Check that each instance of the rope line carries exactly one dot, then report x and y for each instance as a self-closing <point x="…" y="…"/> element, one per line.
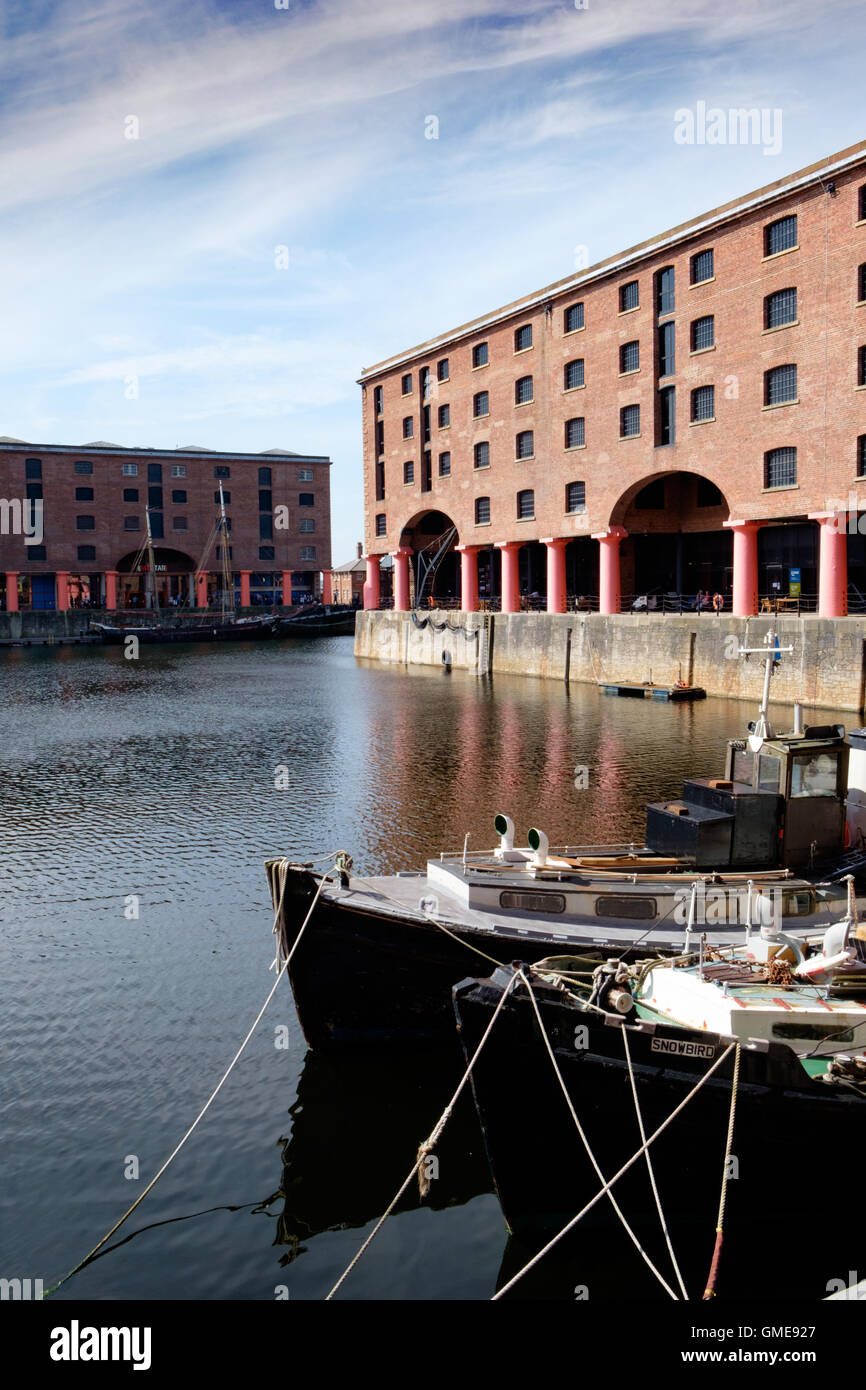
<point x="426" y="1146"/>
<point x="616" y="1177"/>
<point x="176" y="1150"/>
<point x="650" y="1169"/>
<point x="710" y="1290"/>
<point x="586" y="1144"/>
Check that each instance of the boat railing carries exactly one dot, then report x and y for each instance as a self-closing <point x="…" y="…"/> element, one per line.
<point x="572" y="851"/>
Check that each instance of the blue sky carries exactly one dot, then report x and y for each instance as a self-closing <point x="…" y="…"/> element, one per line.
<point x="148" y="265"/>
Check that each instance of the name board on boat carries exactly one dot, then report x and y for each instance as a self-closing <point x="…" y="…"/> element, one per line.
<point x="683" y="1049"/>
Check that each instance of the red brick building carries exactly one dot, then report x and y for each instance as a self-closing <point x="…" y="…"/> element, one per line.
<point x="689" y="415"/>
<point x="82" y="548"/>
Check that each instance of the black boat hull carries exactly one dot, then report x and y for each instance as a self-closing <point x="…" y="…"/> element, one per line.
<point x="362" y="977"/>
<point x="257" y="631"/>
<point x="789" y="1131"/>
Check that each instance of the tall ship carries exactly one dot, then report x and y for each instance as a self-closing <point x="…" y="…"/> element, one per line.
<point x="222" y="626"/>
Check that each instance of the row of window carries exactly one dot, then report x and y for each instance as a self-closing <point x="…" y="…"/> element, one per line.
<point x="181" y="523"/>
<point x="88" y="552"/>
<point x="778" y="236"/>
<point x="84" y="467"/>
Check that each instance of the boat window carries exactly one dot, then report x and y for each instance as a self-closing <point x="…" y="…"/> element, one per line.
<point x="814" y="775"/>
<point x="533" y="902"/>
<point x="769" y="772"/>
<point x="743" y="766"/>
<point x="812" y="1031"/>
<point x="612" y="906"/>
<point x="798" y="904"/>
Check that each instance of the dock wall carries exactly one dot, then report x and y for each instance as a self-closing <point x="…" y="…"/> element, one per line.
<point x="827" y="668"/>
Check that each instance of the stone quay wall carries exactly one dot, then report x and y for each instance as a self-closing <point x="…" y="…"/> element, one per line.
<point x="827" y="668"/>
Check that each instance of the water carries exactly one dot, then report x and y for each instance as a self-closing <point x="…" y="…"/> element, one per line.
<point x="149" y="786"/>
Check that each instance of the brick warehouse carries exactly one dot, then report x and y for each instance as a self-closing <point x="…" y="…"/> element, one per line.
<point x="688" y="415"/>
<point x="93" y="524"/>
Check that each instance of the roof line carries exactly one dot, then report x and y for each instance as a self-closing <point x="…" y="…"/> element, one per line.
<point x="20" y="445"/>
<point x="726" y="212"/>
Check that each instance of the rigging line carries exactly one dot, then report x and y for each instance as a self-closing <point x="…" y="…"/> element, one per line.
<point x="154" y="1180"/>
<point x="616" y="1177"/>
<point x="427" y="1145"/>
<point x="586" y="1144"/>
<point x="649" y="1164"/>
<point x="710" y="1290"/>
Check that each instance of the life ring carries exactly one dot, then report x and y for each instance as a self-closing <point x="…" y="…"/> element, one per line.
<point x="718" y="602"/>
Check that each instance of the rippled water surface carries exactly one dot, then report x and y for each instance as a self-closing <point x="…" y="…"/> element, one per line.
<point x="156" y="779"/>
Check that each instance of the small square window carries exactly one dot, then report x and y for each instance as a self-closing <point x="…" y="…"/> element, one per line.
<point x="178" y="495"/>
<point x="629" y="296"/>
<point x="408" y="427"/>
<point x="780" y="308"/>
<point x="704" y="403"/>
<point x="306" y="499"/>
<point x="573" y="375"/>
<point x="703" y="333"/>
<point x="479" y="355"/>
<point x="526" y="505"/>
<point x="523" y="337"/>
<point x="780" y="468"/>
<point x="482" y="454"/>
<point x="131" y="523"/>
<point x="222" y="470"/>
<point x="573" y="319"/>
<point x="525" y="445"/>
<point x="523" y="391"/>
<point x="84" y="494"/>
<point x="406" y="384"/>
<point x="85" y="523"/>
<point x="629" y="421"/>
<point x="130" y="494"/>
<point x="178" y="523"/>
<point x="36" y="552"/>
<point x="308" y="552"/>
<point x="409" y="471"/>
<point x="178" y="470"/>
<point x="444" y="416"/>
<point x="305" y="475"/>
<point x="307" y="525"/>
<point x="482" y="511"/>
<point x="443" y="370"/>
<point x="575" y="433"/>
<point x="266" y="552"/>
<point x="480" y="404"/>
<point x="381" y="525"/>
<point x="87" y="552"/>
<point x="130" y="470"/>
<point x="703" y="266"/>
<point x="575" y="497"/>
<point x="226" y="497"/>
<point x="780" y="235"/>
<point x="780" y="384"/>
<point x="83" y="466"/>
<point x="629" y="357"/>
<point x="445" y="465"/>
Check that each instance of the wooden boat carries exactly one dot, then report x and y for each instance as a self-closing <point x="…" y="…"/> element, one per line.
<point x="381" y="954"/>
<point x="224" y="626"/>
<point x="319" y="620"/>
<point x="800" y="1103"/>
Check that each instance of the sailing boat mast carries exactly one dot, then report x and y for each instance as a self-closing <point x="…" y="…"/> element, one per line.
<point x="228" y="583"/>
<point x="151" y="563"/>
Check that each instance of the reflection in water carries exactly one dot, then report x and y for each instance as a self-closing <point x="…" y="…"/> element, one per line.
<point x="356" y="1127"/>
<point x="155" y="781"/>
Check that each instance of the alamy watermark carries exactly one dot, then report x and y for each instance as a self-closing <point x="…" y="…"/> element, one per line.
<point x="22" y="516"/>
<point x="738" y="125"/>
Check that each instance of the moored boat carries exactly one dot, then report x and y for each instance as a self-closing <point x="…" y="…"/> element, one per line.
<point x="629" y="1054"/>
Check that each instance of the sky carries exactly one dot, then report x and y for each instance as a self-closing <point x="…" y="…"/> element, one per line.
<point x="214" y="216"/>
